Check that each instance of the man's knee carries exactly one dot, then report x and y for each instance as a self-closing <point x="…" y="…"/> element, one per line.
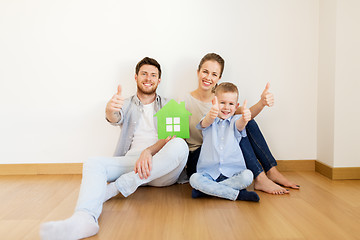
<point x="180" y="147"/>
<point x="93" y="163"/>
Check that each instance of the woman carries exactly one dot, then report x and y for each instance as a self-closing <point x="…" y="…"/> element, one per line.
<point x="266" y="176"/>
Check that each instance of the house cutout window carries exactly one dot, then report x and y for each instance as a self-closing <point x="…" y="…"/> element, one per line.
<point x="172" y="124"/>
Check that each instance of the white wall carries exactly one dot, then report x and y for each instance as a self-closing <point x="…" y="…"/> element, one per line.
<point x="326" y="82"/>
<point x="347" y="85"/>
<point x="62" y="60"/>
<point x="339" y="83"/>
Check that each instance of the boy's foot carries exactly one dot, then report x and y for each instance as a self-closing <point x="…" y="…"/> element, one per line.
<point x="263" y="183"/>
<point x="274" y="175"/>
<point x="198" y="194"/>
<point x="245" y="195"/>
<point x="79" y="225"/>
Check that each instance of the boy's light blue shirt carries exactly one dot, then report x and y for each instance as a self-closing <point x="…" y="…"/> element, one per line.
<point x="220" y="151"/>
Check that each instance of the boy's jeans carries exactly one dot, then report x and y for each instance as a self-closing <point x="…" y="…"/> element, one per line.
<point x="167" y="165"/>
<point x="228" y="188"/>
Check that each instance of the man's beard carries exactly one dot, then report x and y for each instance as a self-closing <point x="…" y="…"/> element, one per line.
<point x="148" y="91"/>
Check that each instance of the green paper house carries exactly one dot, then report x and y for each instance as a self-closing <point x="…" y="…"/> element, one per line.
<point x="173" y="119"/>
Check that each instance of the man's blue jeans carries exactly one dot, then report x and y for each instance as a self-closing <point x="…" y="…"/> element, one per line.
<point x="254" y="148"/>
<point x="168" y="163"/>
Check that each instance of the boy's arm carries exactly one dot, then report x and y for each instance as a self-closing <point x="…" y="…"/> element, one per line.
<point x="211" y="115"/>
<point x="143" y="165"/>
<point x="267" y="99"/>
<point x="245" y="118"/>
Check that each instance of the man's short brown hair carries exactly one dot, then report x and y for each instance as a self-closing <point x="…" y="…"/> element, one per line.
<point x="148" y="61"/>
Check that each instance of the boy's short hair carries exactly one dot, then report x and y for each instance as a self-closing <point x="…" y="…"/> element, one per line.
<point x="227" y="87"/>
<point x="148" y="61"/>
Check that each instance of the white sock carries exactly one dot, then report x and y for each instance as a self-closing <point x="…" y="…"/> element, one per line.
<point x="111" y="191"/>
<point x="79" y="225"/>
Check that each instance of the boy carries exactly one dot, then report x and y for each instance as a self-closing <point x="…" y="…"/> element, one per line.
<point x="221" y="169"/>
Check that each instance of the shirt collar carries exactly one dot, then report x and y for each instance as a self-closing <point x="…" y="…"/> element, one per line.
<point x="219" y="120"/>
<point x="139" y="103"/>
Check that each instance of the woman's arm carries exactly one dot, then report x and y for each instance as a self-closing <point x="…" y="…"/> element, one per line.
<point x="267" y="99"/>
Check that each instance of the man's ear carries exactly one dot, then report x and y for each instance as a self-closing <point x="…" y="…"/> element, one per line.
<point x="159" y="80"/>
<point x="136" y="77"/>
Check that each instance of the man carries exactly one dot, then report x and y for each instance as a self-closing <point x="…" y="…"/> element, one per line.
<point x="140" y="158"/>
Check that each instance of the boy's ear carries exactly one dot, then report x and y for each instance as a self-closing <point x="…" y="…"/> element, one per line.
<point x="237" y="105"/>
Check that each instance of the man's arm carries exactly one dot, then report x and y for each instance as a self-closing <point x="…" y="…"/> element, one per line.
<point x="211" y="115"/>
<point x="246" y="117"/>
<point x="113" y="107"/>
<point x="267" y="99"/>
<point x="143" y="165"/>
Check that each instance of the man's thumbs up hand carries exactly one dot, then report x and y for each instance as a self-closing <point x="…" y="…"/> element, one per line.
<point x="114" y="105"/>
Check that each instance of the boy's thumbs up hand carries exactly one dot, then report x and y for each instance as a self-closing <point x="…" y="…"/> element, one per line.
<point x="214" y="111"/>
<point x="267" y="98"/>
<point x="246" y="114"/>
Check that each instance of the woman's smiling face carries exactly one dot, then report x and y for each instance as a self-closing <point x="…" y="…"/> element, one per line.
<point x="209" y="74"/>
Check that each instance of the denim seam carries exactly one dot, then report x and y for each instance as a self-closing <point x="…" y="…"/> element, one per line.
<point x="267" y="159"/>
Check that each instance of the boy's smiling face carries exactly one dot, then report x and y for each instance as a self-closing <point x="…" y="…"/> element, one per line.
<point x="227" y="104"/>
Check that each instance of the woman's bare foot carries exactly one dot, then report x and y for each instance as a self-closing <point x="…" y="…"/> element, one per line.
<point x="263" y="183"/>
<point x="274" y="175"/>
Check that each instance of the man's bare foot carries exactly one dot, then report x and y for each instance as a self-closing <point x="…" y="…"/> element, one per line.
<point x="274" y="175"/>
<point x="263" y="183"/>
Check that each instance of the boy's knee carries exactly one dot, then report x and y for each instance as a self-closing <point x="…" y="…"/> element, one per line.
<point x="248" y="176"/>
<point x="194" y="179"/>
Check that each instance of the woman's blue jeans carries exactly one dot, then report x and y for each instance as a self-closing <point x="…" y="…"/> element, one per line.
<point x="256" y="152"/>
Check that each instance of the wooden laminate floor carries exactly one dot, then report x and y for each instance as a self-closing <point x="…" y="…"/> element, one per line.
<point x="322" y="209"/>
